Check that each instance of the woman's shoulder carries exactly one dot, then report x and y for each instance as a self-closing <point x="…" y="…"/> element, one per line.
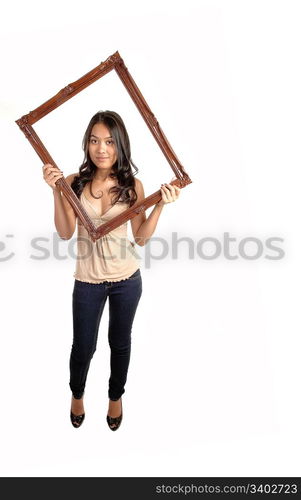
<point x="139" y="189"/>
<point x="70" y="178"/>
<point x="138" y="183"/>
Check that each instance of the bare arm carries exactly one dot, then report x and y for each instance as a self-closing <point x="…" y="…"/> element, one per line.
<point x="142" y="227"/>
<point x="64" y="215"/>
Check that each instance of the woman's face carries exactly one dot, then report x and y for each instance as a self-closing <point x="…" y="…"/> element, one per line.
<point x="102" y="149"/>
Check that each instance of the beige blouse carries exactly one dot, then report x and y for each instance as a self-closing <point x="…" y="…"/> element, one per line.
<point x="110" y="258"/>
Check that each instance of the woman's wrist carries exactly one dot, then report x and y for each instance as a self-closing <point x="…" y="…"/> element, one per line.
<point x="56" y="190"/>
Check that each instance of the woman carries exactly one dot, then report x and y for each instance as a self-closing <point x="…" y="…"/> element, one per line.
<point x="109" y="267"/>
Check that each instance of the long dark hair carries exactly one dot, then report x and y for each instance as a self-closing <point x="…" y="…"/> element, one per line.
<point x="122" y="168"/>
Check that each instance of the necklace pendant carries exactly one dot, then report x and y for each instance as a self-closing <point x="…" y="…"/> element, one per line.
<point x="95" y="197"/>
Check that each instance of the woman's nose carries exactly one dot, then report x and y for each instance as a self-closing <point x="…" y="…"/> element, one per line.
<point x="101" y="147"/>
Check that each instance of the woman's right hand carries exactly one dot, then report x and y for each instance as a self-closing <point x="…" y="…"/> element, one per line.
<point x="51" y="174"/>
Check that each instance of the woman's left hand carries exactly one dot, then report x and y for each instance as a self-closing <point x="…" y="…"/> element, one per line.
<point x="169" y="193"/>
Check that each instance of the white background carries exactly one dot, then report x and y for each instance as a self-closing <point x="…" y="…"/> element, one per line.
<point x="214" y="381"/>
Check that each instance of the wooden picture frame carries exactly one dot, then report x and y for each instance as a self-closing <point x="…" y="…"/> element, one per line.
<point x="113" y="62"/>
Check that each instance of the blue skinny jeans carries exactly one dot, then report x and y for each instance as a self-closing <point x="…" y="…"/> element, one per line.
<point x="88" y="301"/>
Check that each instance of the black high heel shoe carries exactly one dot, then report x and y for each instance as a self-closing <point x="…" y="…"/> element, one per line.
<point x="114" y="422"/>
<point x="77" y="420"/>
